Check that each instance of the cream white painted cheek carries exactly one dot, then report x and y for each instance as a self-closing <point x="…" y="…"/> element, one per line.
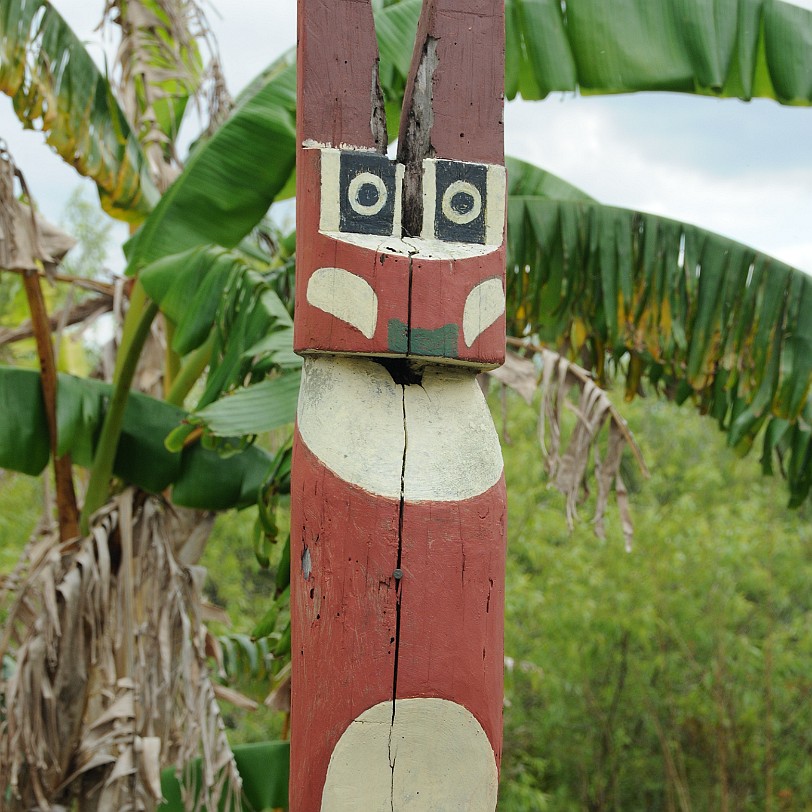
<point x="453" y="450"/>
<point x="350" y="415"/>
<point x="441" y="755"/>
<point x="346" y="296"/>
<point x="484" y="305"/>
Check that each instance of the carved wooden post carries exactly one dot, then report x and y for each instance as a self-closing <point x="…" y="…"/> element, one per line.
<point x="398" y="498"/>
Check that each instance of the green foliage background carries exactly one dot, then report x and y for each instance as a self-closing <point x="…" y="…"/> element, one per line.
<point x="674" y="677"/>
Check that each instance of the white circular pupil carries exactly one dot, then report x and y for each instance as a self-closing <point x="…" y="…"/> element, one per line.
<point x="462" y="202"/>
<point x="367" y="194"/>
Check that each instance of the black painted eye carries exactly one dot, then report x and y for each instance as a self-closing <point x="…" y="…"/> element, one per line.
<point x="366" y="194"/>
<point x="461" y="195"/>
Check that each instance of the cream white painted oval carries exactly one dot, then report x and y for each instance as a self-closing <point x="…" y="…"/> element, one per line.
<point x="453" y="450"/>
<point x="434" y="757"/>
<point x="346" y="296"/>
<point x="484" y="305"/>
<point x="351" y="416"/>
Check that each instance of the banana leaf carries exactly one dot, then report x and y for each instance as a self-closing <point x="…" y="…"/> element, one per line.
<point x="736" y="48"/>
<point x="199" y="477"/>
<point x="694" y="313"/>
<point x="56" y="88"/>
<point x="230" y="179"/>
<point x="264" y="769"/>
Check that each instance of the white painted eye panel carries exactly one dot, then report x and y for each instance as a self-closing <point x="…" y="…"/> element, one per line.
<point x="330" y="190"/>
<point x="443" y="761"/>
<point x="346" y="296"/>
<point x="495" y="206"/>
<point x="351" y="417"/>
<point x="484" y="305"/>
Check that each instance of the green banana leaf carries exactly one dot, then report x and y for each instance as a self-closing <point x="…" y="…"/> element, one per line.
<point x="697" y="314"/>
<point x="56" y="88"/>
<point x="199" y="477"/>
<point x="254" y="409"/>
<point x="230" y="179"/>
<point x="191" y="287"/>
<point x="737" y="48"/>
<point x="264" y="769"/>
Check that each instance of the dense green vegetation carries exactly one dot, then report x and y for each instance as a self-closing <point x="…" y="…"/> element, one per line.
<point x="677" y="676"/>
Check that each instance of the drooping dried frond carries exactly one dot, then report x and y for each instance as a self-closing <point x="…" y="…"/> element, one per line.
<point x="161" y="69"/>
<point x="672" y="308"/>
<point x="568" y="468"/>
<point x="56" y="88"/>
<point x="110" y="683"/>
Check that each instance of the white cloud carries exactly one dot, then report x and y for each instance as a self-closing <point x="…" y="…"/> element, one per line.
<point x="755" y="190"/>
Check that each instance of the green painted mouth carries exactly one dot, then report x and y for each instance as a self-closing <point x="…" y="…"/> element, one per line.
<point x="440" y="343"/>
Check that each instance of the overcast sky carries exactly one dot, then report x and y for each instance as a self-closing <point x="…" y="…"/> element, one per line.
<point x="744" y="170"/>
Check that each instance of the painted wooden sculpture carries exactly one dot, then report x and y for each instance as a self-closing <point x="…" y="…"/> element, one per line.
<point x="398" y="498"/>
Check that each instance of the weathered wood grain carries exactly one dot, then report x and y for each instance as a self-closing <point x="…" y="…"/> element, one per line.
<point x="397" y="497"/>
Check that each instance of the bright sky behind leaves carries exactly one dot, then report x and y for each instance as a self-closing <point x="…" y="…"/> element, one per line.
<point x="744" y="170"/>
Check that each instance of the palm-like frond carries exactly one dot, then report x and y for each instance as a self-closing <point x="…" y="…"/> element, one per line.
<point x="738" y="48"/>
<point x="696" y="314"/>
<point x="57" y="88"/>
<point x="230" y="179"/>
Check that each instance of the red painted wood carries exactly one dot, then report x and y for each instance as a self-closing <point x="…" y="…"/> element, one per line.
<point x="438" y="288"/>
<point x="453" y="605"/>
<point x="343" y="615"/>
<point x="350" y="652"/>
<point x="468" y="91"/>
<point x="337" y="60"/>
<point x="314" y="329"/>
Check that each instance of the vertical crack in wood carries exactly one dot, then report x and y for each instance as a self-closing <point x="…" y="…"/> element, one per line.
<point x="378" y="118"/>
<point x="398" y="590"/>
<point x="415" y="141"/>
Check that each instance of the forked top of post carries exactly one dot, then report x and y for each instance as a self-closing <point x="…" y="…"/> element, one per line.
<point x="339" y="96"/>
<point x="453" y="106"/>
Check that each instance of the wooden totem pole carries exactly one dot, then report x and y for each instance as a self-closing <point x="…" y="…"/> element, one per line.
<point x="398" y="496"/>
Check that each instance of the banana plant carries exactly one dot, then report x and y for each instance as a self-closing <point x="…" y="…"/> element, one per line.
<point x="688" y="314"/>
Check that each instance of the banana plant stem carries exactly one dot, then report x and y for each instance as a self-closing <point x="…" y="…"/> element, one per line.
<point x="132" y="343"/>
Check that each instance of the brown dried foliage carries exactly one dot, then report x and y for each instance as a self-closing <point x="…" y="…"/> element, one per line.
<point x="567" y="463"/>
<point x="111" y="683"/>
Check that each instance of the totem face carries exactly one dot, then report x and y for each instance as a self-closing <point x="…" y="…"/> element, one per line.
<point x="437" y="295"/>
<point x="397" y="489"/>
